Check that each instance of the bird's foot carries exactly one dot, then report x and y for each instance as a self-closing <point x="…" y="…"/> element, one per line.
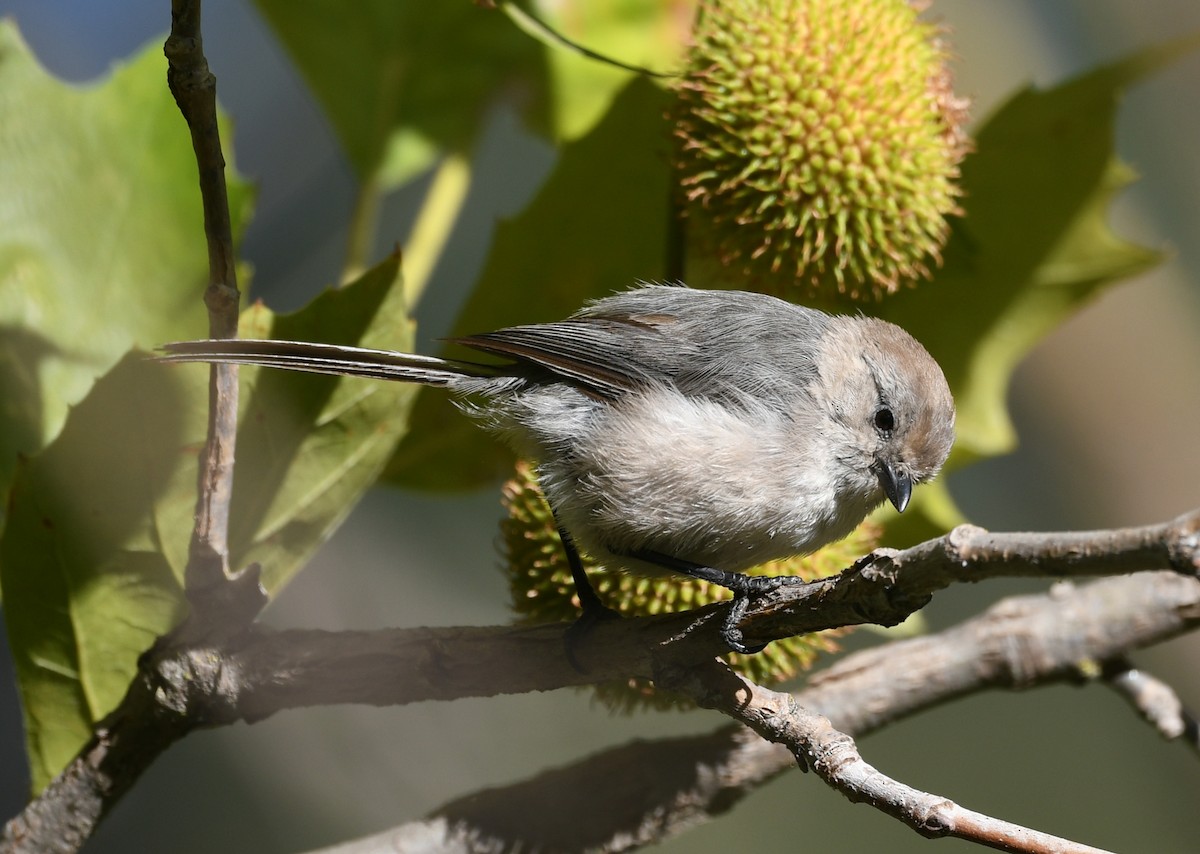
<point x="731" y="633"/>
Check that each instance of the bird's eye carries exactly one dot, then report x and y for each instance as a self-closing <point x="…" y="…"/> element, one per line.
<point x="885" y="421"/>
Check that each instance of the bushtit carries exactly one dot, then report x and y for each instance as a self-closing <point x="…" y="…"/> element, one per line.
<point x="697" y="431"/>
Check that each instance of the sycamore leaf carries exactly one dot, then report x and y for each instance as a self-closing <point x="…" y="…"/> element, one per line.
<point x="310" y="446"/>
<point x="1034" y="248"/>
<point x="426" y="71"/>
<point x="101" y="237"/>
<point x="401" y="80"/>
<point x="86" y="586"/>
<point x="597" y="224"/>
<point x="92" y="560"/>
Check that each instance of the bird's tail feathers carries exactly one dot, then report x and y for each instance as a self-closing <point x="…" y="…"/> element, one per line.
<point x="325" y="359"/>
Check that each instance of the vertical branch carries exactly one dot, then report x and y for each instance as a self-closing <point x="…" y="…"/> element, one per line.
<point x="152" y="716"/>
<point x="208" y="576"/>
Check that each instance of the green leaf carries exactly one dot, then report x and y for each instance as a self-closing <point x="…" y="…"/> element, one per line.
<point x="86" y="585"/>
<point x="92" y="560"/>
<point x="428" y="71"/>
<point x="1033" y="249"/>
<point x="598" y="224"/>
<point x="402" y="80"/>
<point x="310" y="446"/>
<point x="101" y="237"/>
<point x="1034" y="246"/>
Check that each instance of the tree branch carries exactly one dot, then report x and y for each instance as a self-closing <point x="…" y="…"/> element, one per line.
<point x="1154" y="700"/>
<point x="886" y="587"/>
<point x="689" y="781"/>
<point x="217" y="595"/>
<point x="185" y="683"/>
<point x="816" y="744"/>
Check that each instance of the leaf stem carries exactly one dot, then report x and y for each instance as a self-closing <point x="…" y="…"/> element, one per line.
<point x="363" y="220"/>
<point x="551" y="37"/>
<point x="443" y="202"/>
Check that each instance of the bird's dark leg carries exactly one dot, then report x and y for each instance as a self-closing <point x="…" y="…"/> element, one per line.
<point x="589" y="601"/>
<point x="593" y="610"/>
<point x="741" y="584"/>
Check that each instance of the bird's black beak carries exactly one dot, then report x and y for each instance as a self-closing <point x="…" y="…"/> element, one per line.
<point x="897" y="486"/>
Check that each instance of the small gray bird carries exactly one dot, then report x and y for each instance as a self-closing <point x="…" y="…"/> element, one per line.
<point x="697" y="431"/>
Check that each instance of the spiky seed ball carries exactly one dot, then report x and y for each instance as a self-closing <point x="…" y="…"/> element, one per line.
<point x="542" y="591"/>
<point x="820" y="142"/>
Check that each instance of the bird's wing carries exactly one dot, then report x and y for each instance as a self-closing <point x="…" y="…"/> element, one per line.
<point x="602" y="356"/>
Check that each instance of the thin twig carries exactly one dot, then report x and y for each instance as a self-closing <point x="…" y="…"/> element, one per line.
<point x="215" y="593"/>
<point x="1156" y="701"/>
<point x="832" y="754"/>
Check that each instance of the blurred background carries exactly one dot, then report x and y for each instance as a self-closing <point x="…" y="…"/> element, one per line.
<point x="1106" y="409"/>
